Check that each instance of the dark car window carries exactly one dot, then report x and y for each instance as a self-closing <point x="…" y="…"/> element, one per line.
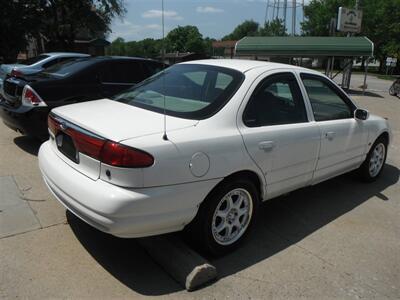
<point x="128" y="71"/>
<point x="326" y="100"/>
<point x="56" y="61"/>
<point x="191" y="91"/>
<point x="154" y="67"/>
<point x="33" y="60"/>
<point x="276" y="100"/>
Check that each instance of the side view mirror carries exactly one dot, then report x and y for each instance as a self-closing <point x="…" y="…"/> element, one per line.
<point x="361" y="114"/>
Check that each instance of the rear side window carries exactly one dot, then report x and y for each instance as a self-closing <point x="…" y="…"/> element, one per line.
<point x="327" y="102"/>
<point x="128" y="72"/>
<point x="277" y="100"/>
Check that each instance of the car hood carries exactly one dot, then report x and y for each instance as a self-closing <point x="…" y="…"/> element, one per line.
<point x="118" y="121"/>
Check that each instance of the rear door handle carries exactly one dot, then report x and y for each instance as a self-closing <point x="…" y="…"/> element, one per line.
<point x="266" y="146"/>
<point x="330" y="135"/>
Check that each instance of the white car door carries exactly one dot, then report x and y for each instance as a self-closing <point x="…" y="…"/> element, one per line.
<point x="343" y="138"/>
<point x="278" y="134"/>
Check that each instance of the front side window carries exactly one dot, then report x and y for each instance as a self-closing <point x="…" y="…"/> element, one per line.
<point x="188" y="91"/>
<point x="326" y="101"/>
<point x="277" y="100"/>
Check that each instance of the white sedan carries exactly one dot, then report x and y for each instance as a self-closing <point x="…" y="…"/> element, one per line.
<point x="201" y="144"/>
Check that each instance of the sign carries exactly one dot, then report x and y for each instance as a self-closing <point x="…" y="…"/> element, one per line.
<point x="349" y="20"/>
<point x="391" y="61"/>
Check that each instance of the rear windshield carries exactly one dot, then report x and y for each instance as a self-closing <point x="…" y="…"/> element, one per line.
<point x="67" y="67"/>
<point x="34" y="60"/>
<point x="188" y="91"/>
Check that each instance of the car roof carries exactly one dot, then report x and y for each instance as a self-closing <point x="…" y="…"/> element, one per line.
<point x="65" y="54"/>
<point x="124" y="58"/>
<point x="242" y="65"/>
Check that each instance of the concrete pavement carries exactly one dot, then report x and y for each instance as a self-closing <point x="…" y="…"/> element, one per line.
<point x="338" y="239"/>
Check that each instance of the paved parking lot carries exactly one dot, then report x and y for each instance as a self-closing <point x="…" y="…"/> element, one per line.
<point x="337" y="239"/>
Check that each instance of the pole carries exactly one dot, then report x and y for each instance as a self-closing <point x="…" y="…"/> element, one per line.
<point x="293" y="17"/>
<point x="277" y="9"/>
<point x="162" y="24"/>
<point x="365" y="76"/>
<point x="266" y="13"/>
<point x="273" y="10"/>
<point x="284" y="12"/>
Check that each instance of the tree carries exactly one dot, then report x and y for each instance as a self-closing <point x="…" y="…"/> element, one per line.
<point x="381" y="23"/>
<point x="19" y="20"/>
<point x="65" y="20"/>
<point x="275" y="27"/>
<point x="59" y="21"/>
<point x="117" y="47"/>
<point x="319" y="13"/>
<point x="247" y="28"/>
<point x="185" y="39"/>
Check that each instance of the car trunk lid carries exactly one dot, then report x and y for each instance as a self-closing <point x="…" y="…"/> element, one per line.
<point x="118" y="121"/>
<point x="105" y="120"/>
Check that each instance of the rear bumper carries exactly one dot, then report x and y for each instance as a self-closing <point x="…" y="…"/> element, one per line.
<point x="29" y="121"/>
<point x="121" y="211"/>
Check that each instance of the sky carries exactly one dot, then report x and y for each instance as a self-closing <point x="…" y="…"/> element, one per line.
<point x="213" y="18"/>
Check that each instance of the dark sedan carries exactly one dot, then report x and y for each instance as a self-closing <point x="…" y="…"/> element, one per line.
<point x="28" y="100"/>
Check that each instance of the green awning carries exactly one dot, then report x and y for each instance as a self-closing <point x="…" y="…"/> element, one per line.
<point x="304" y="46"/>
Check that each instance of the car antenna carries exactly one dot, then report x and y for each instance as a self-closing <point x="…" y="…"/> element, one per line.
<point x="165" y="137"/>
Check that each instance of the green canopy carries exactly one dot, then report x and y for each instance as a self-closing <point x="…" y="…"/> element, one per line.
<point x="304" y="46"/>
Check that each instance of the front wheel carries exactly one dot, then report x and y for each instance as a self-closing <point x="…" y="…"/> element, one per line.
<point x="375" y="161"/>
<point x="225" y="217"/>
<point x="392" y="91"/>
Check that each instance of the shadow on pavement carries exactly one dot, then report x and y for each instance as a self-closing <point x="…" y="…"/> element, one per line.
<point x="282" y="222"/>
<point x="287" y="220"/>
<point x="124" y="259"/>
<point x="366" y="93"/>
<point x="28" y="144"/>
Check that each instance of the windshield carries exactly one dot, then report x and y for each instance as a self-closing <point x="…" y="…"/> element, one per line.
<point x="188" y="91"/>
<point x="34" y="60"/>
<point x="67" y="67"/>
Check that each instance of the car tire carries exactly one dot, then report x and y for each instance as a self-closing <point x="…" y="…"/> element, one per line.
<point x="392" y="91"/>
<point x="225" y="217"/>
<point x="374" y="163"/>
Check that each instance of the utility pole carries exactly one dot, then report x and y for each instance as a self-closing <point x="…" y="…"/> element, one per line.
<point x="347" y="72"/>
<point x="284" y="12"/>
<point x="293" y="17"/>
<point x="277" y="9"/>
<point x="266" y="13"/>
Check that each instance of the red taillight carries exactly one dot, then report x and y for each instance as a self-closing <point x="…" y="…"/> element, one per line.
<point x="16" y="73"/>
<point x="118" y="155"/>
<point x="30" y="97"/>
<point x="108" y="152"/>
<point x="86" y="144"/>
<point x="52" y="124"/>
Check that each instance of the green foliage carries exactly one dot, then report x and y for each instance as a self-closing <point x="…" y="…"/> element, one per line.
<point x="275" y="27"/>
<point x="381" y="22"/>
<point x="59" y="21"/>
<point x="18" y="20"/>
<point x="247" y="28"/>
<point x="319" y="14"/>
<point x="185" y="39"/>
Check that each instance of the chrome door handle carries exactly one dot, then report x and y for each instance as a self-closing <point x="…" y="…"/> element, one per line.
<point x="330" y="135"/>
<point x="266" y="146"/>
